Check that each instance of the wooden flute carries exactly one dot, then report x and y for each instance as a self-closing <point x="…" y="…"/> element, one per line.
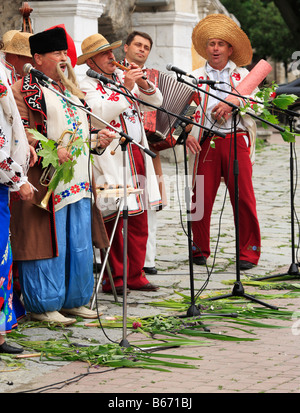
<point x="125" y="68"/>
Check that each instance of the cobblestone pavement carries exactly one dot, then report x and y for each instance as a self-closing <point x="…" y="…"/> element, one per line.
<point x="270" y="364"/>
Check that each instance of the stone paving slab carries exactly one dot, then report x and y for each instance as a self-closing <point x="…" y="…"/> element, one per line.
<point x="268" y="365"/>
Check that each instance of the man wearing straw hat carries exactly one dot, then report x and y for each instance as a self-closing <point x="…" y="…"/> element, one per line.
<point x="226" y="48"/>
<point x="125" y="115"/>
<point x="17" y="53"/>
<point x="9" y="69"/>
<point x="53" y="247"/>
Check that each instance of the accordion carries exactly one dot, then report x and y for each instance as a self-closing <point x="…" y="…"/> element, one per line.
<point x="163" y="129"/>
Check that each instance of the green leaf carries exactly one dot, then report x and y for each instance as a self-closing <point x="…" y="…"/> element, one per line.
<point x="68" y="170"/>
<point x="49" y="154"/>
<point x="64" y="172"/>
<point x="288" y="136"/>
<point x="284" y="101"/>
<point x="37" y="135"/>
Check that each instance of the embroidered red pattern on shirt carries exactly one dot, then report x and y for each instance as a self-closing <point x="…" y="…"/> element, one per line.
<point x="200" y="78"/>
<point x="5" y="165"/>
<point x="100" y="88"/>
<point x="2" y="141"/>
<point x="114" y="124"/>
<point x="197" y="116"/>
<point x="114" y="97"/>
<point x="237" y="76"/>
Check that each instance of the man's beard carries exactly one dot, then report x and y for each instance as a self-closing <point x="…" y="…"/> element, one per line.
<point x="69" y="82"/>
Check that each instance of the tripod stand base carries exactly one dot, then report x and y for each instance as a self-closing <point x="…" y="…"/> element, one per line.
<point x="124" y="343"/>
<point x="193" y="311"/>
<point x="238" y="291"/>
<point x="293" y="271"/>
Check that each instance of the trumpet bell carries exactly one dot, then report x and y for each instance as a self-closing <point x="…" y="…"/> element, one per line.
<point x="50" y="170"/>
<point x="44" y="202"/>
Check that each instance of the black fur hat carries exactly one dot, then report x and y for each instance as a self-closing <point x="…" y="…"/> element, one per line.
<point x="48" y="41"/>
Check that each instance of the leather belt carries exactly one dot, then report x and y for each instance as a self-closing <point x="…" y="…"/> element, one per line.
<point x="211" y="135"/>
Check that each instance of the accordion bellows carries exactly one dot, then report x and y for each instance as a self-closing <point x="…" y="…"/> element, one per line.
<point x="177" y="97"/>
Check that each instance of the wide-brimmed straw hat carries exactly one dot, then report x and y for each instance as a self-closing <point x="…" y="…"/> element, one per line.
<point x="94" y="44"/>
<point x="6" y="38"/>
<point x="220" y="26"/>
<point x="19" y="44"/>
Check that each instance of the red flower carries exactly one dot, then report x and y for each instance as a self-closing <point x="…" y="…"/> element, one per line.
<point x="57" y="199"/>
<point x="3" y="90"/>
<point x="75" y="189"/>
<point x="136" y="325"/>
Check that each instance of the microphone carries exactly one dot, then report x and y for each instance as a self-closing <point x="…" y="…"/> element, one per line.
<point x="207" y="82"/>
<point x="95" y="75"/>
<point x="179" y="71"/>
<point x="28" y="68"/>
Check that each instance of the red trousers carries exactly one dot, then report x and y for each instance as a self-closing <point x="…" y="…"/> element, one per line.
<point x="215" y="163"/>
<point x="137" y="235"/>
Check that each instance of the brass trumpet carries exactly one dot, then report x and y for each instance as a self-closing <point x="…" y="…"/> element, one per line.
<point x="49" y="172"/>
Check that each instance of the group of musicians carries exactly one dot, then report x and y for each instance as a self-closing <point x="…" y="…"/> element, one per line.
<point x="53" y="250"/>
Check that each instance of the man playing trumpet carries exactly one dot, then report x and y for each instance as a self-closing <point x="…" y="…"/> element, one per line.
<point x="54" y="248"/>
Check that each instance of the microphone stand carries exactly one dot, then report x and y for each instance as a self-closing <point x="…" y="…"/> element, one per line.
<point x="193" y="311"/>
<point x="293" y="269"/>
<point x="238" y="289"/>
<point x="179" y="117"/>
<point x="124" y="342"/>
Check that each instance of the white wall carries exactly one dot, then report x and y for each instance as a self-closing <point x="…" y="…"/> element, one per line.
<point x="80" y="18"/>
<point x="171" y="32"/>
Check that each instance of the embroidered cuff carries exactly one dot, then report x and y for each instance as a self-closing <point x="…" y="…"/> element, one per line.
<point x="150" y="91"/>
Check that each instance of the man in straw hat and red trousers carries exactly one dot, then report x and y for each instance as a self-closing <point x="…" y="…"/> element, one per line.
<point x="226" y="48"/>
<point x="124" y="114"/>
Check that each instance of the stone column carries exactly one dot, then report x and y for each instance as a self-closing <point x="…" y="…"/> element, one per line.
<point x="171" y="33"/>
